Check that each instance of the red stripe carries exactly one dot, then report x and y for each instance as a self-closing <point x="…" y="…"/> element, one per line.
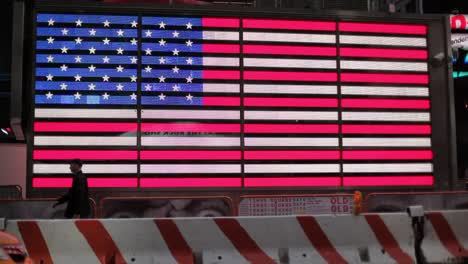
<point x="319" y="239"/>
<point x="290" y="76"/>
<point x="175" y="241"/>
<point x="386" y="239"/>
<point x="386" y="103"/>
<point x="385" y="78"/>
<point x="446" y="235"/>
<point x="83" y="127"/>
<point x="189" y="182"/>
<point x="221" y="101"/>
<point x="314" y="181"/>
<point x="292" y="155"/>
<point x="286" y="128"/>
<point x="190" y="127"/>
<point x="190" y="155"/>
<point x="100" y="241"/>
<point x="221" y="48"/>
<point x="290" y="102"/>
<point x="85" y="154"/>
<point x="387" y="129"/>
<point x="289" y="24"/>
<point x="288" y="50"/>
<point x="44" y="182"/>
<point x="34" y="242"/>
<point x="220" y="22"/>
<point x="387" y="154"/>
<point x="383" y="28"/>
<point x="221" y="75"/>
<point x="405" y="54"/>
<point x="242" y="241"/>
<point x="402" y="180"/>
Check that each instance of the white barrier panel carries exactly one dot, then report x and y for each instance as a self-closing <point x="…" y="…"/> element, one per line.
<point x="372" y="238"/>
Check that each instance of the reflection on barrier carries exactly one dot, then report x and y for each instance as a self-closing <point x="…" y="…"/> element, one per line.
<point x="187" y="206"/>
<point x="36" y="209"/>
<point x="11" y="192"/>
<point x="399" y="201"/>
<point x="265" y="205"/>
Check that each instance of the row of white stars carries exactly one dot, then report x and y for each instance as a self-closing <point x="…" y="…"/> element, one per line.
<point x="92" y="32"/>
<point x="78" y="59"/>
<point x="175" y="88"/>
<point x="78" y="41"/>
<point x="92" y="50"/>
<point x="106" y="96"/>
<point x="92" y="68"/>
<point x="92" y="86"/>
<point x="79" y="23"/>
<point x="78" y="77"/>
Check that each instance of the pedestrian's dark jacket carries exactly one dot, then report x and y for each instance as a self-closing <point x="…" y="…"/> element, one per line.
<point x="77" y="197"/>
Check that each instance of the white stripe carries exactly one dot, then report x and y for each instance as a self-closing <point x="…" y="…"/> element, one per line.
<point x="220" y="61"/>
<point x="87" y="168"/>
<point x="190" y="114"/>
<point x="289" y="89"/>
<point x="387" y="142"/>
<point x="388" y="167"/>
<point x="386" y="116"/>
<point x="290" y="142"/>
<point x="290" y="115"/>
<point x="84" y="113"/>
<point x="289" y="37"/>
<point x="390" y="41"/>
<point x="84" y="141"/>
<point x="221" y="88"/>
<point x="387" y="90"/>
<point x="292" y="168"/>
<point x="220" y="35"/>
<point x="190" y="168"/>
<point x="384" y="65"/>
<point x="190" y="141"/>
<point x="289" y="63"/>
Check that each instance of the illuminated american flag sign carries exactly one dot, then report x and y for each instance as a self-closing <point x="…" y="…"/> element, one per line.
<point x="166" y="101"/>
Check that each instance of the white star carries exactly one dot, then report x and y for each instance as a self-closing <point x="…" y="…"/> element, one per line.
<point x="175" y="69"/>
<point x="189" y="61"/>
<point x="162" y="79"/>
<point x="189" y="97"/>
<point x="134" y="42"/>
<point x="148" y="69"/>
<point x="189" y="25"/>
<point x="176" y="88"/>
<point x="77" y="78"/>
<point x="148" y="33"/>
<point x="133" y="78"/>
<point x="51" y="22"/>
<point x="120" y="68"/>
<point x="189" y="43"/>
<point x="49" y="95"/>
<point x="105" y="96"/>
<point x="91" y="86"/>
<point x="105" y="78"/>
<point x="92" y="32"/>
<point x="148" y="51"/>
<point x="64" y="67"/>
<point x="78" y="59"/>
<point x="162" y="25"/>
<point x="50" y="40"/>
<point x="92" y="68"/>
<point x="106" y="23"/>
<point x="64" y="31"/>
<point x="120" y="33"/>
<point x="49" y="77"/>
<point x="133" y="96"/>
<point x="92" y="50"/>
<point x="64" y="49"/>
<point x="162" y="60"/>
<point x="78" y="22"/>
<point x="162" y="97"/>
<point x="78" y="40"/>
<point x="119" y="87"/>
<point x="148" y="87"/>
<point x="175" y="52"/>
<point x="106" y="41"/>
<point x="162" y="42"/>
<point x="175" y="34"/>
<point x="50" y="58"/>
<point x="77" y="96"/>
<point x="133" y="59"/>
<point x="120" y="51"/>
<point x="106" y="59"/>
<point x="134" y="23"/>
<point x="63" y="86"/>
<point x="189" y="79"/>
